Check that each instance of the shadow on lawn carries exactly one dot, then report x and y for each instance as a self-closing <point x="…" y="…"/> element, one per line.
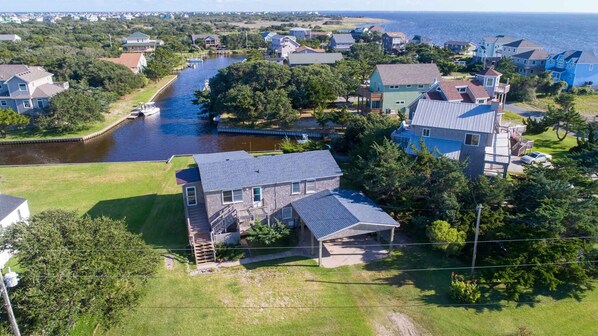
<point x="160" y="219"/>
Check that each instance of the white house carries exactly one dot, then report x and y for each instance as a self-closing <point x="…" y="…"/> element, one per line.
<point x="12" y="210"/>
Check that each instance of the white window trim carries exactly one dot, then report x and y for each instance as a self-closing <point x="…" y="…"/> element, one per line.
<point x="307" y="191"/>
<point x="187" y="195"/>
<point x="232" y="196"/>
<point x="3" y="103"/>
<point x="285" y="211"/>
<point x="424" y="132"/>
<point x="21" y="85"/>
<point x="295" y="192"/>
<point x="25" y="103"/>
<point x="472" y="135"/>
<point x="420" y="86"/>
<point x="408" y="86"/>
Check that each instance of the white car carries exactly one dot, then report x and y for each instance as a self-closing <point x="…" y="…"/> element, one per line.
<point x="536" y="157"/>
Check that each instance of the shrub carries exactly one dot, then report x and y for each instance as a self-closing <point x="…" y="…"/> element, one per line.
<point x="228" y="252"/>
<point x="268" y="234"/>
<point x="464" y="291"/>
<point x="441" y="231"/>
<point x="534" y="126"/>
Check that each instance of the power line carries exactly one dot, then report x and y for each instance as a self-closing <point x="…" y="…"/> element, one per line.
<point x="429" y="269"/>
<point x="333" y="244"/>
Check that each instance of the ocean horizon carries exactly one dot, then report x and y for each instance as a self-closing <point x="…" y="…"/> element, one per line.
<point x="555" y="31"/>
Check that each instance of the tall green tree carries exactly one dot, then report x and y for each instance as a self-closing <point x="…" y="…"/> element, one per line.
<point x="10" y="119"/>
<point x="73" y="267"/>
<point x="72" y="110"/>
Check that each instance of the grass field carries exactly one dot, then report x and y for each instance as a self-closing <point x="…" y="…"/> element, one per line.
<point x="587" y="105"/>
<point x="118" y="110"/>
<point x="547" y="142"/>
<point x="285" y="297"/>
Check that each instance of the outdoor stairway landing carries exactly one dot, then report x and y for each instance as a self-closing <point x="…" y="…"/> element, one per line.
<point x="198" y="218"/>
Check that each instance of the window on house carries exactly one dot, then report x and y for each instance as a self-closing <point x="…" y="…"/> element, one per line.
<point x="481" y="101"/>
<point x="3" y="103"/>
<point x="22" y="87"/>
<point x="489" y="81"/>
<point x="400" y="102"/>
<point x="191" y="196"/>
<point x="461" y="89"/>
<point x="472" y="139"/>
<point x="376" y="104"/>
<point x="310" y="186"/>
<point x="287" y="213"/>
<point x="420" y="86"/>
<point x="232" y="196"/>
<point x="295" y="188"/>
<point x="408" y="86"/>
<point x="426" y="132"/>
<point x="26" y="104"/>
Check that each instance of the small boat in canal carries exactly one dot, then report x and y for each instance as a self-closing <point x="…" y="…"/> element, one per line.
<point x="147" y="109"/>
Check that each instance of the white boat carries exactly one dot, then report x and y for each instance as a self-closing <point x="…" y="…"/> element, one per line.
<point x="148" y="109"/>
<point x="304" y="139"/>
<point x="206" y="85"/>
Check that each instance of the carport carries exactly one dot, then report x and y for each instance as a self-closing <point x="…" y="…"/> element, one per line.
<point x="339" y="214"/>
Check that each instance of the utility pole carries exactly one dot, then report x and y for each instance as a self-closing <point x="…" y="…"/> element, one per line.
<point x="475" y="240"/>
<point x="11" y="315"/>
<point x="110" y="36"/>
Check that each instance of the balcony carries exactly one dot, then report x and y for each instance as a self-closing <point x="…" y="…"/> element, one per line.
<point x="503" y="88"/>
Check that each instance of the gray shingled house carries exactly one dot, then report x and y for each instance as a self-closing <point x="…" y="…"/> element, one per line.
<point x="341" y="42"/>
<point x="227" y="192"/>
<point x="26" y="89"/>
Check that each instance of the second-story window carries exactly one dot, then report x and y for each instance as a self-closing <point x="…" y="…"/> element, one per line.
<point x="295" y="188"/>
<point x="310" y="186"/>
<point x="191" y="196"/>
<point x="232" y="196"/>
<point x="426" y="132"/>
<point x="472" y="139"/>
<point x="22" y="87"/>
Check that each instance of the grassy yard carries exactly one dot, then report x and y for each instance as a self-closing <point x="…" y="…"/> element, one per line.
<point x="587" y="105"/>
<point x="547" y="142"/>
<point x="278" y="298"/>
<point x="512" y="117"/>
<point x="118" y="110"/>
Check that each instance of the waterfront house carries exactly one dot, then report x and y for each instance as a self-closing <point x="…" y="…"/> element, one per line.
<point x="9" y="38"/>
<point x="341" y="42"/>
<point x="206" y="41"/>
<point x="492" y="47"/>
<point x="300" y="33"/>
<point x="460" y="131"/>
<point x="460" y="47"/>
<point x="227" y="192"/>
<point x="518" y="47"/>
<point x="298" y="59"/>
<point x="283" y="45"/>
<point x="394" y="42"/>
<point x="484" y="89"/>
<point x="359" y="31"/>
<point x="393" y="87"/>
<point x="135" y="62"/>
<point x="12" y="210"/>
<point x="26" y="89"/>
<point x="530" y="63"/>
<point x="308" y="50"/>
<point x="140" y="43"/>
<point x="267" y="36"/>
<point x="576" y="67"/>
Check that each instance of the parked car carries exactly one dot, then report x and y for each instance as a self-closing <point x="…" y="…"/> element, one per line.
<point x="536" y="157"/>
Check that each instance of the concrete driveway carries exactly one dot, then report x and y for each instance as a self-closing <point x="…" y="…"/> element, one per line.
<point x="351" y="251"/>
<point x="516" y="165"/>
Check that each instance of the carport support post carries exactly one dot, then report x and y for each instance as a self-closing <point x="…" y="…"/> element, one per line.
<point x="392" y="238"/>
<point x="320" y="253"/>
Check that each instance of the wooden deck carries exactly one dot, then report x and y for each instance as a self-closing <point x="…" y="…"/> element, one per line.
<point x="198" y="218"/>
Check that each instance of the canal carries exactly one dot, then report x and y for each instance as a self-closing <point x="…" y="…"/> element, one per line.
<point x="176" y="130"/>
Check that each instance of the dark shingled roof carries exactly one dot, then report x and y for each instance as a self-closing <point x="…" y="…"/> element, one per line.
<point x="8" y="204"/>
<point x="201" y="159"/>
<point x="579" y="56"/>
<point x="329" y="212"/>
<point x="343" y="38"/>
<point x="138" y="35"/>
<point x="536" y="54"/>
<point x="490" y="72"/>
<point x="523" y="44"/>
<point x="266" y="170"/>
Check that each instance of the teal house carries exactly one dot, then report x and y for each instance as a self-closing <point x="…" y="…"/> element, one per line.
<point x="393" y="87"/>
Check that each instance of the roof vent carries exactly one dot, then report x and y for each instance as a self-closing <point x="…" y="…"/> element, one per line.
<point x="257" y="171"/>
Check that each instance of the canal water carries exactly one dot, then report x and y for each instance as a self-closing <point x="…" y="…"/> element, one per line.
<point x="176" y="130"/>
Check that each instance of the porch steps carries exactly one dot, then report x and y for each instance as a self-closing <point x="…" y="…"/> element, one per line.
<point x="203" y="249"/>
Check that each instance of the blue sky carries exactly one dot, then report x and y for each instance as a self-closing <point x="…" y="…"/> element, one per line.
<point x="305" y="5"/>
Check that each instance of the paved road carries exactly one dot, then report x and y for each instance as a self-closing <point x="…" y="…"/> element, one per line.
<point x="523" y="111"/>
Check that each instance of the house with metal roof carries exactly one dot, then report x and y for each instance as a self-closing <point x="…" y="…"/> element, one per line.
<point x="140" y="42"/>
<point x="298" y="59"/>
<point x="12" y="210"/>
<point x="228" y="192"/>
<point x="576" y="67"/>
<point x="460" y="131"/>
<point x="27" y="89"/>
<point x="341" y="42"/>
<point x="393" y="87"/>
<point x="492" y="47"/>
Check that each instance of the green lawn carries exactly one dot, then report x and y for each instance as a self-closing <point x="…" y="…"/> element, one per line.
<point x="547" y="142"/>
<point x="512" y="117"/>
<point x="118" y="110"/>
<point x="278" y="298"/>
<point x="587" y="105"/>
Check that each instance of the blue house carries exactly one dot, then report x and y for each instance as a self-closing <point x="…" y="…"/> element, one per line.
<point x="576" y="67"/>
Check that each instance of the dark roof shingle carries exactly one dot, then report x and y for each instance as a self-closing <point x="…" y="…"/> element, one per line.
<point x="405" y="74"/>
<point x="8" y="204"/>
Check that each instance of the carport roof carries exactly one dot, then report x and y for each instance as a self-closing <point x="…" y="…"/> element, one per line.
<point x="329" y="212"/>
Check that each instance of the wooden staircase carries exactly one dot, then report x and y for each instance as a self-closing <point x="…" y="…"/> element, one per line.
<point x="200" y="237"/>
<point x="203" y="248"/>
